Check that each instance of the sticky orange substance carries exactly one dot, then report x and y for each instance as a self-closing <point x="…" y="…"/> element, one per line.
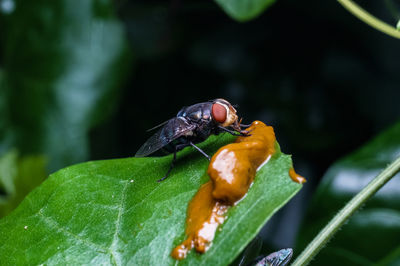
<point x="203" y="217"/>
<point x="296" y="177"/>
<point x="231" y="170"/>
<point x="234" y="166"/>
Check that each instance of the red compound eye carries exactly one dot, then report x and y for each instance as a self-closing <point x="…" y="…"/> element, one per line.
<point x="218" y="112"/>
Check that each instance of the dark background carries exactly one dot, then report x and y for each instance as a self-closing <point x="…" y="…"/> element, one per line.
<point x="324" y="80"/>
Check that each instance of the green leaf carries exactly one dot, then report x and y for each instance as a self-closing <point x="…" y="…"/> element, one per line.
<point x="19" y="176"/>
<point x="372" y="235"/>
<point x="243" y="10"/>
<point x="114" y="212"/>
<point x="63" y="62"/>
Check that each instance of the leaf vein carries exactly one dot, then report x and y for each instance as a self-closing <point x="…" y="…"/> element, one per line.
<point x="113" y="246"/>
<point x="52" y="223"/>
<point x="148" y="195"/>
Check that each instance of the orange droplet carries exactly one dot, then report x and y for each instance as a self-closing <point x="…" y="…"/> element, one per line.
<point x="296" y="177"/>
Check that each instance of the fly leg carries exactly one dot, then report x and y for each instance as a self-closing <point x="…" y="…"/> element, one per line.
<point x="176" y="148"/>
<point x="170" y="168"/>
<point x="234" y="133"/>
<point x="240" y="125"/>
<point x="200" y="150"/>
<point x="179" y="147"/>
<point x="244" y="125"/>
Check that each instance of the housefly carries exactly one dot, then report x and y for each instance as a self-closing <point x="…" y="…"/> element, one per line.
<point x="279" y="258"/>
<point x="193" y="124"/>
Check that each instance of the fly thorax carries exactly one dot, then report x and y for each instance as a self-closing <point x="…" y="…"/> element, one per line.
<point x="189" y="133"/>
<point x="195" y="116"/>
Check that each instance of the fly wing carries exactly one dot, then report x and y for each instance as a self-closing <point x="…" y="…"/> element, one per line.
<point x="159" y="125"/>
<point x="154" y="143"/>
<point x="173" y="129"/>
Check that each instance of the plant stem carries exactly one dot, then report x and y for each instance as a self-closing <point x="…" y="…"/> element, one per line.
<point x="344" y="214"/>
<point x="374" y="22"/>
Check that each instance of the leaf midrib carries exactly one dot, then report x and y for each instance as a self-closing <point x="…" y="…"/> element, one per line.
<point x="115" y="255"/>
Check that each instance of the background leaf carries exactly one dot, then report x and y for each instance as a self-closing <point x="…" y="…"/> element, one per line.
<point x="18" y="176"/>
<point x="114" y="212"/>
<point x="243" y="10"/>
<point x="377" y="224"/>
<point x="62" y="64"/>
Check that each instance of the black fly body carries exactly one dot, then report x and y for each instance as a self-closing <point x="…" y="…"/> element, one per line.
<point x="193" y="124"/>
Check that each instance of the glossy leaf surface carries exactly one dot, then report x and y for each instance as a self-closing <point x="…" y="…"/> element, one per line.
<point x="114" y="212"/>
<point x="243" y="10"/>
<point x="62" y="63"/>
<point x="372" y="235"/>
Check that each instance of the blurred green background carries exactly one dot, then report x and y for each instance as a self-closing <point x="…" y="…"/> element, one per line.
<point x="84" y="80"/>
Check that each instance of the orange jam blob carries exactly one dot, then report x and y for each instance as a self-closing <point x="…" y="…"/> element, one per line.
<point x="232" y="170"/>
<point x="296" y="177"/>
<point x="218" y="112"/>
<point x="203" y="217"/>
<point x="234" y="166"/>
